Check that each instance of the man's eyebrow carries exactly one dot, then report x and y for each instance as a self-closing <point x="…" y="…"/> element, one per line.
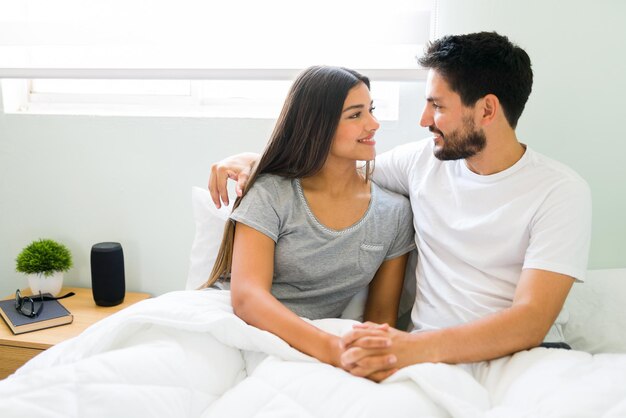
<point x="358" y="106"/>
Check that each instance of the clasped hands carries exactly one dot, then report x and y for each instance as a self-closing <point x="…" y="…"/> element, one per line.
<point x="371" y="350"/>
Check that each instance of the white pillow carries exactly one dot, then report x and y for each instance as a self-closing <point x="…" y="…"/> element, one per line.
<point x="597" y="313"/>
<point x="210" y="223"/>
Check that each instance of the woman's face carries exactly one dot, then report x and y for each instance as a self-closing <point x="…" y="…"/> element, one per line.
<point x="354" y="138"/>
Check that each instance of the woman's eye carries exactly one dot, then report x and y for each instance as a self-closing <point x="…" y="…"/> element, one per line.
<point x="372" y="109"/>
<point x="355" y="116"/>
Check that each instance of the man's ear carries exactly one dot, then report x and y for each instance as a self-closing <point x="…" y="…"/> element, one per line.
<point x="490" y="109"/>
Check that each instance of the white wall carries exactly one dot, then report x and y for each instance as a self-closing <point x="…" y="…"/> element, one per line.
<point x="83" y="180"/>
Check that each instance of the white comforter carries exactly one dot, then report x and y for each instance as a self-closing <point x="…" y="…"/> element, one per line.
<point x="185" y="354"/>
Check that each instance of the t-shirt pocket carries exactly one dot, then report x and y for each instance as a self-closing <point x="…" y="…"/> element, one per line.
<point x="371" y="256"/>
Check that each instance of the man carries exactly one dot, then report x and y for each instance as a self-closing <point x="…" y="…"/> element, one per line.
<point x="502" y="232"/>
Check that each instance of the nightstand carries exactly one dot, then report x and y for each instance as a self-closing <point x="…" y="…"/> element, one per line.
<point x="15" y="350"/>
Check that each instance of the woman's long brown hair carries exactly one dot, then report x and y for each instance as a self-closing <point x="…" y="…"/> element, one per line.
<point x="301" y="140"/>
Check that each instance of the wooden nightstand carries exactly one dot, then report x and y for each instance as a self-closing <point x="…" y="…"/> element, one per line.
<point x="15" y="350"/>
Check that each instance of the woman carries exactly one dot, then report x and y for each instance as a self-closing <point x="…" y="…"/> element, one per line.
<point x="311" y="230"/>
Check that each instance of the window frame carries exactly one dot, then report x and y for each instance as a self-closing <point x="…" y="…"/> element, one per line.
<point x="19" y="97"/>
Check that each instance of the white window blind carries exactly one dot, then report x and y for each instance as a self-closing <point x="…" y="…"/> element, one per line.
<point x="194" y="39"/>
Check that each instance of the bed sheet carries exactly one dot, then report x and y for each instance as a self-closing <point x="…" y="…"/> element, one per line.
<point x="185" y="354"/>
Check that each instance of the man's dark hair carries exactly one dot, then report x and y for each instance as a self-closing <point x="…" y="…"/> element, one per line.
<point x="478" y="64"/>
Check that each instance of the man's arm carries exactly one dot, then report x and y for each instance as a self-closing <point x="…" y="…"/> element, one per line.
<point x="539" y="298"/>
<point x="390" y="170"/>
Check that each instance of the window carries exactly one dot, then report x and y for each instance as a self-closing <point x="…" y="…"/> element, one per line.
<point x="199" y="58"/>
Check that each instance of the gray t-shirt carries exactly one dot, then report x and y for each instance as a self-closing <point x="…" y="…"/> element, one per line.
<point x="317" y="270"/>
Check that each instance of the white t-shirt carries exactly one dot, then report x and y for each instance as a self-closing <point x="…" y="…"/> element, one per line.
<point x="475" y="234"/>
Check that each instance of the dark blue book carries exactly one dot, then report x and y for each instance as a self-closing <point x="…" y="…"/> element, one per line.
<point x="53" y="314"/>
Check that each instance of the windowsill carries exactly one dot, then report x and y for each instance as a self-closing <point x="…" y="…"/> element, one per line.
<point x="233" y="111"/>
<point x="125" y="110"/>
<point x="239" y="100"/>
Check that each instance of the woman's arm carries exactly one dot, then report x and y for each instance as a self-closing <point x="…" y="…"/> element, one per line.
<point x="383" y="298"/>
<point x="251" y="281"/>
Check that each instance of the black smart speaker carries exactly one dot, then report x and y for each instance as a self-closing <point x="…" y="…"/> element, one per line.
<point x="107" y="273"/>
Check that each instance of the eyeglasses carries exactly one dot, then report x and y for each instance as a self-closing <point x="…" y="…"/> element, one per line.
<point x="26" y="305"/>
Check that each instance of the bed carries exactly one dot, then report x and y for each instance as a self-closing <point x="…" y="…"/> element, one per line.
<point x="185" y="354"/>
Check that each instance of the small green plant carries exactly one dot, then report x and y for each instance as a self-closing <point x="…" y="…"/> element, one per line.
<point x="45" y="257"/>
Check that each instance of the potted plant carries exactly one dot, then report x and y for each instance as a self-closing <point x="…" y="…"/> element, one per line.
<point x="44" y="261"/>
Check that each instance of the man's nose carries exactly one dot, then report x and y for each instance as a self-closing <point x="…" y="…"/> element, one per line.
<point x="427" y="117"/>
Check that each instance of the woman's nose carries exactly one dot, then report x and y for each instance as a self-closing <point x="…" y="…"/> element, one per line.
<point x="373" y="124"/>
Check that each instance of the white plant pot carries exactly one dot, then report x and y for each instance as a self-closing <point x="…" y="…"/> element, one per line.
<point x="50" y="284"/>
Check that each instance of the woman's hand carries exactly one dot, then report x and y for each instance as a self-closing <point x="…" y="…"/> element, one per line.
<point x="333" y="351"/>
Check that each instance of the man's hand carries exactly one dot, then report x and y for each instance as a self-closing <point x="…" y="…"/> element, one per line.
<point x="237" y="167"/>
<point x="371" y="350"/>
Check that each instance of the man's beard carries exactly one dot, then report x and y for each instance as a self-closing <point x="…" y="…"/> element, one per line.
<point x="460" y="144"/>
